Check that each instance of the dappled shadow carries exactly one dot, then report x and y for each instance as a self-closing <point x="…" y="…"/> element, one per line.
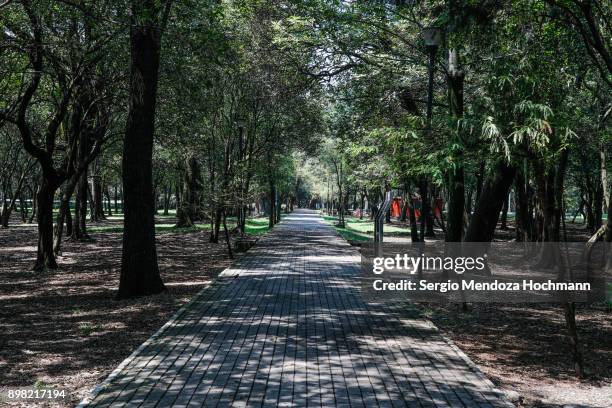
<point x="286" y="325"/>
<point x="64" y="328"/>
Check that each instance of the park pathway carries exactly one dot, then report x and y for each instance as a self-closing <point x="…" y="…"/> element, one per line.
<point x="286" y="326"/>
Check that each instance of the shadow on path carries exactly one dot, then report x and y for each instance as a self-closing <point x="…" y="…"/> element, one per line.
<point x="286" y="326"/>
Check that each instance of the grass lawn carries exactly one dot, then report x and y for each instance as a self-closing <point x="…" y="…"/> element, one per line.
<point x="363" y="230"/>
<point x="167" y="223"/>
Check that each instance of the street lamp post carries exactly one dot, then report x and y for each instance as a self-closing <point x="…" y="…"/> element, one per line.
<point x="432" y="36"/>
<point x="241" y="153"/>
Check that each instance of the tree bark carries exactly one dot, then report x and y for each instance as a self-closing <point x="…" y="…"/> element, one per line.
<point x="272" y="205"/>
<point x="62" y="213"/>
<point x="45" y="258"/>
<point x="139" y="269"/>
<point x="79" y="226"/>
<point x="604" y="176"/>
<point x="190" y="210"/>
<point x="609" y="223"/>
<point x="523" y="214"/>
<point x="98" y="198"/>
<point x="486" y="213"/>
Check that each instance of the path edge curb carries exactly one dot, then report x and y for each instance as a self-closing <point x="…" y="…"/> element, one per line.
<point x="95" y="391"/>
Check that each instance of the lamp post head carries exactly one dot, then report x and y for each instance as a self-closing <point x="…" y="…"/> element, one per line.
<point x="432" y="36"/>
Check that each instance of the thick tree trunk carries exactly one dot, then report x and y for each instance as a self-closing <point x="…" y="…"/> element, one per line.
<point x="98" y="198"/>
<point x="139" y="269"/>
<point x="190" y="211"/>
<point x="62" y="214"/>
<point x="79" y="226"/>
<point x="486" y="213"/>
<point x="598" y="204"/>
<point x="45" y="258"/>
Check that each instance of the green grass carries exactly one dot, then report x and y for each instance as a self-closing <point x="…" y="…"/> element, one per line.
<point x="254" y="226"/>
<point x="363" y="230"/>
<point x="86" y="328"/>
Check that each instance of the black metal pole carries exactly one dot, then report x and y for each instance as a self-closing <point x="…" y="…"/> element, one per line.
<point x="431" y="68"/>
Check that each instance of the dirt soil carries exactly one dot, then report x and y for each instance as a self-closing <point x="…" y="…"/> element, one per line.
<point x="524" y="350"/>
<point x="64" y="328"/>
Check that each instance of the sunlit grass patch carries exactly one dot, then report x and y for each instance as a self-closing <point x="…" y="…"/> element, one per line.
<point x="363" y="229"/>
<point x="254" y="226"/>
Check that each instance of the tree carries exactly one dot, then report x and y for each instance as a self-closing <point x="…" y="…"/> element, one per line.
<point x="139" y="268"/>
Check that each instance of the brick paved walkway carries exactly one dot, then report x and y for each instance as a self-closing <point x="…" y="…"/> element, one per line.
<point x="286" y="326"/>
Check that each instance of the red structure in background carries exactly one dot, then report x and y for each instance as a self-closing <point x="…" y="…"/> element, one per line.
<point x="398" y="203"/>
<point x="396" y="207"/>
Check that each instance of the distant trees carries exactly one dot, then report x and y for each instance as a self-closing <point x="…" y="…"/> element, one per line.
<point x="39" y="71"/>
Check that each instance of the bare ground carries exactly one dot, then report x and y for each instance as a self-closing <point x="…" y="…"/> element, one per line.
<point x="524" y="350"/>
<point x="64" y="328"/>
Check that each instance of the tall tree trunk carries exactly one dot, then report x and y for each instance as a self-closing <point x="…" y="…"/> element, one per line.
<point x="34" y="193"/>
<point x="190" y="210"/>
<point x="228" y="241"/>
<point x="523" y="213"/>
<point x="139" y="269"/>
<point x="116" y="200"/>
<point x="609" y="224"/>
<point x="79" y="226"/>
<point x="62" y="213"/>
<point x="98" y="198"/>
<point x="45" y="258"/>
<point x="272" y="204"/>
<point x="426" y="216"/>
<point x="109" y="208"/>
<point x="23" y="207"/>
<point x="361" y="204"/>
<point x="414" y="230"/>
<point x="604" y="176"/>
<point x="486" y="213"/>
